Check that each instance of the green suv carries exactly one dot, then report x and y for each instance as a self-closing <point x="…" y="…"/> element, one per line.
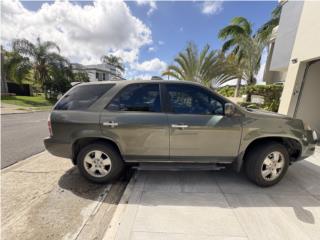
<point x="104" y="126"/>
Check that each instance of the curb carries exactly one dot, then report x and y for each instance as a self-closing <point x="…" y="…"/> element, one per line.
<point x="112" y="229"/>
<point x="21" y="162"/>
<point x="24" y="112"/>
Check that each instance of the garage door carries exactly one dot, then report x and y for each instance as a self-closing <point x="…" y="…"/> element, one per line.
<point x="308" y="107"/>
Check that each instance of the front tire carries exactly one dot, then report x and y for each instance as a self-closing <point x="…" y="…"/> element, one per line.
<point x="100" y="163"/>
<point x="267" y="163"/>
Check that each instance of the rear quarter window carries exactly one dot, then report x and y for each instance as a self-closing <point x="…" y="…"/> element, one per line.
<point x="82" y="97"/>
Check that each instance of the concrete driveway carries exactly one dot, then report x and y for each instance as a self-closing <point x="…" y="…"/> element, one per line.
<point x="219" y="205"/>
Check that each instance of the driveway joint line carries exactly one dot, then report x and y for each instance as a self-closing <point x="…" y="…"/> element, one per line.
<point x="232" y="209"/>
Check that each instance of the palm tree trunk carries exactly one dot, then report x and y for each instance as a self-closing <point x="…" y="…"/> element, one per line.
<point x="250" y="82"/>
<point x="236" y="92"/>
<point x="248" y="98"/>
<point x="45" y="92"/>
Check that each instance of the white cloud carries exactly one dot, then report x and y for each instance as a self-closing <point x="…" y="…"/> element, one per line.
<point x="142" y="77"/>
<point x="211" y="7"/>
<point x="152" y="5"/>
<point x="153" y="65"/>
<point x="84" y="33"/>
<point x="160" y="42"/>
<point x="151" y="49"/>
<point x="128" y="56"/>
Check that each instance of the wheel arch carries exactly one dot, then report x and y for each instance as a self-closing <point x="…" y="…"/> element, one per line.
<point x="81" y="142"/>
<point x="293" y="146"/>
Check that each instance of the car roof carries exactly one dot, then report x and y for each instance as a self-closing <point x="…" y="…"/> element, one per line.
<point x="126" y="82"/>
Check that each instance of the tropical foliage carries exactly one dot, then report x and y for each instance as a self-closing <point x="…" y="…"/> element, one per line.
<point x="113" y="61"/>
<point x="246" y="47"/>
<point x="271" y="94"/>
<point x="15" y="67"/>
<point x="50" y="69"/>
<point x="80" y="76"/>
<point x="265" y="31"/>
<point x="204" y="67"/>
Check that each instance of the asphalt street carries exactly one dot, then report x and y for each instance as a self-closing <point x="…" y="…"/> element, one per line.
<point x="22" y="136"/>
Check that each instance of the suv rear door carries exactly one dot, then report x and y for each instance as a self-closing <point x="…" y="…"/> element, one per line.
<point x="135" y="119"/>
<point x="199" y="131"/>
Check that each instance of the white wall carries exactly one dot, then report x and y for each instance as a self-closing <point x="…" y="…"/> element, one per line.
<point x="306" y="48"/>
<point x="308" y="105"/>
<point x="286" y="34"/>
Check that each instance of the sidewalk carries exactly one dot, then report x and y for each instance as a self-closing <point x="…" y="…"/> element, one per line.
<point x="219" y="205"/>
<point x="44" y="197"/>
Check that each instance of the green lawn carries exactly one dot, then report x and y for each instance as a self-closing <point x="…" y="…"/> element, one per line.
<point x="27" y="101"/>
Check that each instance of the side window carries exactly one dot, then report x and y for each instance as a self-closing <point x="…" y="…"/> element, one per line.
<point x="137" y="97"/>
<point x="82" y="97"/>
<point x="189" y="99"/>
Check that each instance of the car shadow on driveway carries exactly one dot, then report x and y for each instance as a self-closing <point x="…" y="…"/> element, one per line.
<point x="78" y="185"/>
<point x="72" y="181"/>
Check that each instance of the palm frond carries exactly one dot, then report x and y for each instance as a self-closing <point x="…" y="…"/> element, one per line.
<point x="265" y="31"/>
<point x="243" y="23"/>
<point x="24" y="47"/>
<point x="231" y="31"/>
<point x="48" y="45"/>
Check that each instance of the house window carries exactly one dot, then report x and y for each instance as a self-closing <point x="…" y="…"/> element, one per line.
<point x="97" y="75"/>
<point x="104" y="76"/>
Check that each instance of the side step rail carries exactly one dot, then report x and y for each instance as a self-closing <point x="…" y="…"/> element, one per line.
<point x="178" y="167"/>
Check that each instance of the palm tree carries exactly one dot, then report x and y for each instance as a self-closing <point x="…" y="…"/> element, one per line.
<point x="265" y="31"/>
<point x="231" y="70"/>
<point x="240" y="28"/>
<point x="15" y="67"/>
<point x="113" y="61"/>
<point x="80" y="76"/>
<point x="246" y="46"/>
<point x="44" y="58"/>
<point x="200" y="67"/>
<point x="251" y="49"/>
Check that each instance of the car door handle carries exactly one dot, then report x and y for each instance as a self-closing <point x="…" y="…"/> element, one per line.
<point x="110" y="124"/>
<point x="181" y="126"/>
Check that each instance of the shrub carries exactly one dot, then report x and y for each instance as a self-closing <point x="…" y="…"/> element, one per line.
<point x="271" y="94"/>
<point x="226" y="91"/>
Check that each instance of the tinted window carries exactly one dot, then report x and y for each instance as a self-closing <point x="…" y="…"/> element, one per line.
<point x="82" y="97"/>
<point x="193" y="100"/>
<point x="137" y="97"/>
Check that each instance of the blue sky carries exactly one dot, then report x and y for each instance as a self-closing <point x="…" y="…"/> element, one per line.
<point x="176" y="23"/>
<point x="166" y="28"/>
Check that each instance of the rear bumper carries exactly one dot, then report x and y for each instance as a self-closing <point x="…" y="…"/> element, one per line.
<point x="58" y="148"/>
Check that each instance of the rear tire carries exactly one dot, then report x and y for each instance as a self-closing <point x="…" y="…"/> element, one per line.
<point x="100" y="163"/>
<point x="267" y="163"/>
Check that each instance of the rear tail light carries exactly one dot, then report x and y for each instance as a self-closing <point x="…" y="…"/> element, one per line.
<point x="49" y="125"/>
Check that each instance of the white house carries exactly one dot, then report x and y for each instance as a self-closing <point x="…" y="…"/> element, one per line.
<point x="99" y="72"/>
<point x="294" y="58"/>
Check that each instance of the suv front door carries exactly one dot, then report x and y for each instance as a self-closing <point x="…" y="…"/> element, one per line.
<point x="199" y="131"/>
<point x="134" y="118"/>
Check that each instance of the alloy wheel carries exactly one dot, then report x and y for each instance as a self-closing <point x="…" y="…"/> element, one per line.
<point x="272" y="166"/>
<point x="97" y="163"/>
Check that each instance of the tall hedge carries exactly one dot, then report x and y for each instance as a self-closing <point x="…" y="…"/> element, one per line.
<point x="271" y="94"/>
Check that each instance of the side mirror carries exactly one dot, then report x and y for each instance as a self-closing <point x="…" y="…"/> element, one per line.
<point x="229" y="109"/>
